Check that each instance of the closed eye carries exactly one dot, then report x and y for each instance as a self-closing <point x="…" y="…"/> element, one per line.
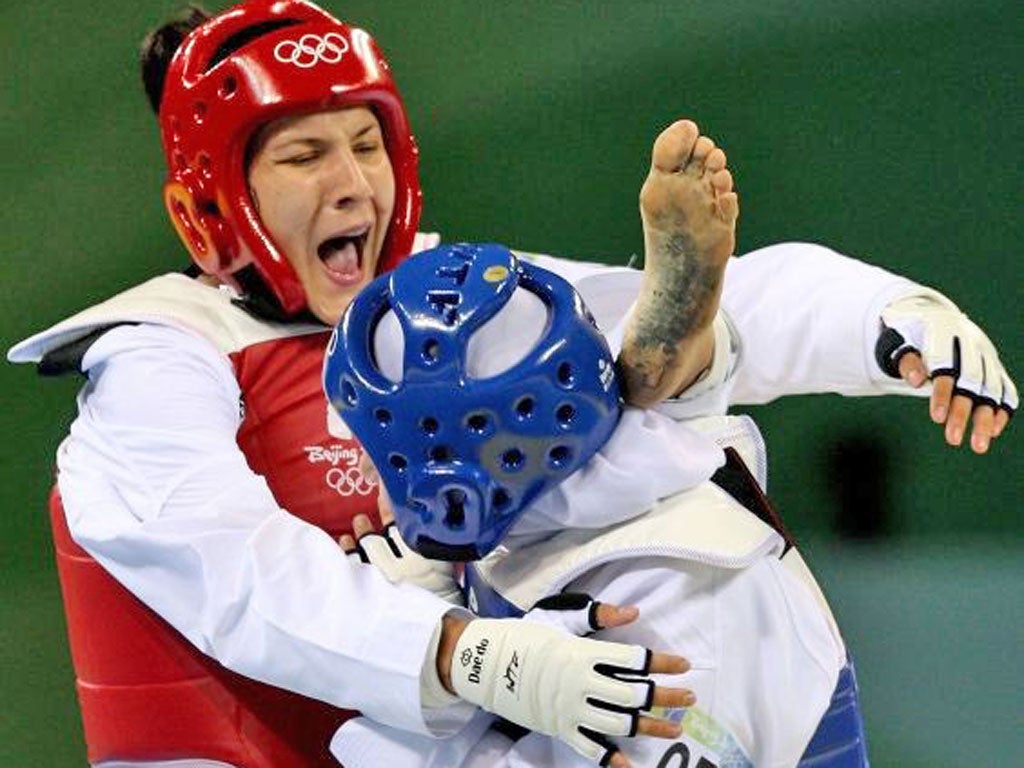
<point x="304" y="159"/>
<point x="367" y="147"/>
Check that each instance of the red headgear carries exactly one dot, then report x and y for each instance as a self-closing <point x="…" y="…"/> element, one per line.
<point x="308" y="61"/>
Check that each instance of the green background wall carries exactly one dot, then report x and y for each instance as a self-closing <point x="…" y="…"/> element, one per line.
<point x="888" y="130"/>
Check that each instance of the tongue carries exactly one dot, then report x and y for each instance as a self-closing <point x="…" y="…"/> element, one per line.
<point x="344" y="260"/>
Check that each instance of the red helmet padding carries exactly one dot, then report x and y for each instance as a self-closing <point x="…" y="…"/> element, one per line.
<point x="209" y="114"/>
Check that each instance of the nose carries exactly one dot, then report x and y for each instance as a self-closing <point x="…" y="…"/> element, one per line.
<point x="346" y="183"/>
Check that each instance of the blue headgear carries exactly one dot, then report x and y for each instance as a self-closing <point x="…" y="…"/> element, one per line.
<point x="462" y="457"/>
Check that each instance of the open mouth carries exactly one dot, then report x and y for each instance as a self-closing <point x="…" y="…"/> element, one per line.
<point x="343" y="254"/>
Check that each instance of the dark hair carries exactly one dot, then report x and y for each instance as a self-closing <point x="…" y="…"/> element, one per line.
<point x="159" y="46"/>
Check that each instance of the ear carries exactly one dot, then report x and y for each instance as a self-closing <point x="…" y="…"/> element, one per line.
<point x="191" y="226"/>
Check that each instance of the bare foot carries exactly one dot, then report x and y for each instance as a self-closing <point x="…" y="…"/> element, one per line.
<point x="689" y="212"/>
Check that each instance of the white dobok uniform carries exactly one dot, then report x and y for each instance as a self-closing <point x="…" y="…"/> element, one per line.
<point x="712" y="581"/>
<point x="198" y="536"/>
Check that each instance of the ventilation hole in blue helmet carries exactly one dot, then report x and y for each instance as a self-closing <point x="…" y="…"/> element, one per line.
<point x="512" y="460"/>
<point x="421" y="510"/>
<point x="559" y="456"/>
<point x="431" y="351"/>
<point x="348" y="393"/>
<point x="429" y="425"/>
<point x="524" y="407"/>
<point x="442" y="453"/>
<point x="383" y="417"/>
<point x="398" y="461"/>
<point x="565" y="415"/>
<point x="477" y="422"/>
<point x="454" y="508"/>
<point x="500" y="499"/>
<point x="566" y="375"/>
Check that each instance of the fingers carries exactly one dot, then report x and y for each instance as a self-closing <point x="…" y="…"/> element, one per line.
<point x="956" y="422"/>
<point x="955" y="410"/>
<point x="942" y="394"/>
<point x="659" y="728"/>
<point x="361" y="525"/>
<point x="367" y="468"/>
<point x="384" y="507"/>
<point x="913" y="370"/>
<point x="608" y="615"/>
<point x="669" y="663"/>
<point x="984" y="418"/>
<point x="1001" y="420"/>
<point x="673" y="698"/>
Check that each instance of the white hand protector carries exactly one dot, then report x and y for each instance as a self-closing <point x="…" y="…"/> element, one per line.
<point x="576" y="689"/>
<point x="572" y="612"/>
<point x="400" y="564"/>
<point x="949" y="344"/>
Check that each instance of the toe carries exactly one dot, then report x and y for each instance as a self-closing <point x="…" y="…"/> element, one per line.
<point x="701" y="149"/>
<point x="729" y="207"/>
<point x="721" y="180"/>
<point x="715" y="160"/>
<point x="672" y="149"/>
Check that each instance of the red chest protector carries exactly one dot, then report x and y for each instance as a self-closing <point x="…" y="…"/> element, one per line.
<point x="144" y="691"/>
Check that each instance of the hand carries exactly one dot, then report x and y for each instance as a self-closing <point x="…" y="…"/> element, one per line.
<point x="925" y="336"/>
<point x="577" y="689"/>
<point x="393" y="557"/>
<point x="579" y="614"/>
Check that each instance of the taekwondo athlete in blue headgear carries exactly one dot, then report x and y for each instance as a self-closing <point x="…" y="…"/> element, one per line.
<point x="453" y="371"/>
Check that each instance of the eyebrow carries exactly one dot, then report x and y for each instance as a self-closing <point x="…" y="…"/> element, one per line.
<point x="312" y="141"/>
<point x="363" y="131"/>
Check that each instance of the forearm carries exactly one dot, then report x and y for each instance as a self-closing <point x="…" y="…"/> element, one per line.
<point x="279" y="603"/>
<point x="807" y="320"/>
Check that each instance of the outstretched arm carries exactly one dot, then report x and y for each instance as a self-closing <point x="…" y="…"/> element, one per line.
<point x="808" y="319"/>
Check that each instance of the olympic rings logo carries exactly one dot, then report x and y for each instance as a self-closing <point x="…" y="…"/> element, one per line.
<point x="310" y="49"/>
<point x="349" y="481"/>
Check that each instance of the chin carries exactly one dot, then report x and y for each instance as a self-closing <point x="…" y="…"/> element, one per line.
<point x="329" y="309"/>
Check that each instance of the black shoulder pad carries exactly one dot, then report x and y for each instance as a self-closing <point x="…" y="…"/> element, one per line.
<point x="68" y="358"/>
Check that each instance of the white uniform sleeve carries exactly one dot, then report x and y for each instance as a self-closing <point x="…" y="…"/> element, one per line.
<point x="156" y="489"/>
<point x="806" y="320"/>
<point x="648" y="457"/>
<point x="796" y="318"/>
